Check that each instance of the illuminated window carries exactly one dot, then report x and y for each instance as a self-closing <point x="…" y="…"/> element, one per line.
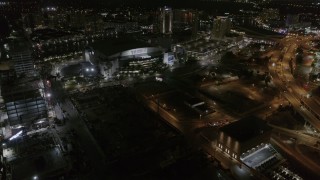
<point x="227" y="151"/>
<point x="234" y="155"/>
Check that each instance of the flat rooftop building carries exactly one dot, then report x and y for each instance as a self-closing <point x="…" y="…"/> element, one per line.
<point x="247" y="133"/>
<point x="193" y="102"/>
<point x="21" y="55"/>
<point x="24" y="102"/>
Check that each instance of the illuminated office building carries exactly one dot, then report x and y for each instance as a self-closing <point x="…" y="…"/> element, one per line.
<point x="166" y="16"/>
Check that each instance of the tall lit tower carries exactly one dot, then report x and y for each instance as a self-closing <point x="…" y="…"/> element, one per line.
<point x="221" y="26"/>
<point x="166" y="16"/>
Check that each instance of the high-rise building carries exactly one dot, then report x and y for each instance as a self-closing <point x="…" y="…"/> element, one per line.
<point x="221" y="26"/>
<point x="186" y="18"/>
<point x="21" y="55"/>
<point x="166" y="16"/>
<point x="195" y="24"/>
<point x="24" y="102"/>
<point x="7" y="72"/>
<point x="269" y="14"/>
<point x="292" y="19"/>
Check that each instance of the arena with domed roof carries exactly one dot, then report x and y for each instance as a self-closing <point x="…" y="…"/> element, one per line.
<point x="112" y="54"/>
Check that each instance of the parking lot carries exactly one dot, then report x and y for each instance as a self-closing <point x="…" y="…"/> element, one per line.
<point x="234" y="97"/>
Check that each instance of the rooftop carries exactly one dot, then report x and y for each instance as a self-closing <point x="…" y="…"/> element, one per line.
<point x="246" y="128"/>
<point x="115" y="45"/>
<point x="35" y="154"/>
<point x="193" y="101"/>
<point x="21" y="85"/>
<point x="19" y="45"/>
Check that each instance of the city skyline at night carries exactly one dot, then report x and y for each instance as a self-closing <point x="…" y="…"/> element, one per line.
<point x="163" y="89"/>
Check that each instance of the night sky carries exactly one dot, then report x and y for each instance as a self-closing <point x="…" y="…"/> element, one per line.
<point x="195" y="4"/>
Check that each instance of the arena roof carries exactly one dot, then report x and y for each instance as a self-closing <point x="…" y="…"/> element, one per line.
<point x="246" y="128"/>
<point x="124" y="48"/>
<point x="115" y="45"/>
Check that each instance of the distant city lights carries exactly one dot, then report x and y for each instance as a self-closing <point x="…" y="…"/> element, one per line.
<point x="4" y="3"/>
<point x="51" y="9"/>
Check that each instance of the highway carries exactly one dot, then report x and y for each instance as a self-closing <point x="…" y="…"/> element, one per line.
<point x="286" y="82"/>
<point x="187" y="128"/>
<point x="300" y="136"/>
<point x="295" y="154"/>
<point x="309" y="108"/>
